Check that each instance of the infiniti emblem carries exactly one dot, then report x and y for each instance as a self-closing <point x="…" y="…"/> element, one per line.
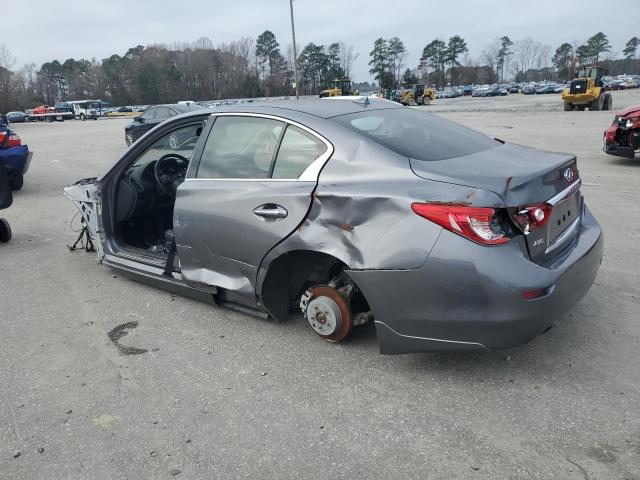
<point x="568" y="174"/>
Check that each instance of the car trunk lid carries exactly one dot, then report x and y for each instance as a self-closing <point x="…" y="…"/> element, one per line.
<point x="522" y="177"/>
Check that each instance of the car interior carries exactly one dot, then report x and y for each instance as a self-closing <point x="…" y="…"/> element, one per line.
<point x="238" y="147"/>
<point x="146" y="191"/>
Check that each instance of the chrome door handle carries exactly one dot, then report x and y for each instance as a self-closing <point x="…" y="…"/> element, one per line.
<point x="270" y="212"/>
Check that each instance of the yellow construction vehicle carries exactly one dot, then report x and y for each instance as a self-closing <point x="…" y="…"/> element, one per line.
<point x="339" y="88"/>
<point x="587" y="91"/>
<point x="418" y="95"/>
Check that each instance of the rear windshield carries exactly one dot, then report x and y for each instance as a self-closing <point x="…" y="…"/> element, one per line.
<point x="416" y="134"/>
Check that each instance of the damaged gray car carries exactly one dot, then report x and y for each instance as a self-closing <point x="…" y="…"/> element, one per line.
<point x="349" y="211"/>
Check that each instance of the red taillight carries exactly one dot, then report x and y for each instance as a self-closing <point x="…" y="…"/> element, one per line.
<point x="473" y="223"/>
<point x="533" y="217"/>
<point x="533" y="294"/>
<point x="14" y="141"/>
<point x="538" y="214"/>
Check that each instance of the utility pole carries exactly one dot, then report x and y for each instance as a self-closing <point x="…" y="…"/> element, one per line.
<point x="295" y="51"/>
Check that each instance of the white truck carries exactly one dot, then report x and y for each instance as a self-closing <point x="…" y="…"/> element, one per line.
<point x="86" y="109"/>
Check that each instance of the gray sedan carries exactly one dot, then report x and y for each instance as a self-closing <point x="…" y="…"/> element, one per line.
<point x="346" y="211"/>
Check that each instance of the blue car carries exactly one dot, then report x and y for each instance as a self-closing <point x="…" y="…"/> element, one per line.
<point x="15" y="156"/>
<point x="5" y="202"/>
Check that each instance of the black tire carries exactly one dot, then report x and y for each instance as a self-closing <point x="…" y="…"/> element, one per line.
<point x="16" y="182"/>
<point x="83" y="117"/>
<point x="598" y="104"/>
<point x="426" y="100"/>
<point x="608" y="102"/>
<point x="580" y="108"/>
<point x="128" y="139"/>
<point x="5" y="231"/>
<point x="569" y="107"/>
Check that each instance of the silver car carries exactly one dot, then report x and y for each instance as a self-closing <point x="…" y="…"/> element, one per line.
<point x="346" y="211"/>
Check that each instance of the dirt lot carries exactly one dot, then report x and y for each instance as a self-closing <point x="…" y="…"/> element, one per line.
<point x="222" y="395"/>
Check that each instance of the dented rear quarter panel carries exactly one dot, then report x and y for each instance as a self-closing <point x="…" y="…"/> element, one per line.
<point x="361" y="210"/>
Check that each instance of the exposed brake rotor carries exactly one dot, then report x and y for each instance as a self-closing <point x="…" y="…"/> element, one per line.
<point x="327" y="312"/>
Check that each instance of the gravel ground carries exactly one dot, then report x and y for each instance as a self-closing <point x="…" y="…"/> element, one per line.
<point x="218" y="394"/>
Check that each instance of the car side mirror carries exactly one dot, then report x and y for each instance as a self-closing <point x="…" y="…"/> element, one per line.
<point x="6" y="198"/>
<point x="138" y="119"/>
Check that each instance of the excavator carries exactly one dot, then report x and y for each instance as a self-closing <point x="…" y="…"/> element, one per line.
<point x="418" y="95"/>
<point x="339" y="88"/>
<point x="586" y="91"/>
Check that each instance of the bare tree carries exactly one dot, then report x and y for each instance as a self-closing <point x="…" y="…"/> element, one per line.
<point x="347" y="58"/>
<point x="491" y="53"/>
<point x="7" y="60"/>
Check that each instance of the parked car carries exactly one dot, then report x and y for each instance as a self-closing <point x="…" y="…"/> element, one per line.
<point x="514" y="88"/>
<point x="479" y="92"/>
<point x="610" y="85"/>
<point x="492" y="91"/>
<point x="467" y="89"/>
<point x="351" y="210"/>
<point x="122" y="112"/>
<point x="40" y="109"/>
<point x="622" y="138"/>
<point x="152" y="117"/>
<point x="17" y="117"/>
<point x="15" y="156"/>
<point x="62" y="107"/>
<point x="6" y="199"/>
<point x="529" y="89"/>
<point x="545" y="88"/>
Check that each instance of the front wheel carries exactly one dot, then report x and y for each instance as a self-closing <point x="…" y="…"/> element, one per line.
<point x="426" y="100"/>
<point x="83" y="117"/>
<point x="608" y="102"/>
<point x="128" y="138"/>
<point x="5" y="231"/>
<point x="568" y="107"/>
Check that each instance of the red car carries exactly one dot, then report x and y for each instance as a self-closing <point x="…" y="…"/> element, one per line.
<point x="622" y="138"/>
<point x="43" y="109"/>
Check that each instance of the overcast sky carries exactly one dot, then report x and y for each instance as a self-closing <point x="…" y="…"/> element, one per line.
<point x="42" y="30"/>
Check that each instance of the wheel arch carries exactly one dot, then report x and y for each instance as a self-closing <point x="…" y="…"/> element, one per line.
<point x="283" y="275"/>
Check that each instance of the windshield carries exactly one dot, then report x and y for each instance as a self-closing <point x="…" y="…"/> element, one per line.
<point x="417" y="135"/>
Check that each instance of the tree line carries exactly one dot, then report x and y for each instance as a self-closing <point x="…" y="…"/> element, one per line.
<point x="260" y="68"/>
<point x="448" y="62"/>
<point x="182" y="71"/>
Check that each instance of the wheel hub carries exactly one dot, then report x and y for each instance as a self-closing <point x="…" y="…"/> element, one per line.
<point x="323" y="314"/>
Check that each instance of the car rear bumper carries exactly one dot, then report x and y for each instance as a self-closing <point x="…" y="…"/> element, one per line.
<point x="468" y="297"/>
<point x="16" y="159"/>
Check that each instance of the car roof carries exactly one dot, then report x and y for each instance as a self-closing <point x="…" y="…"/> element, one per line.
<point x="322" y="108"/>
<point x="178" y="107"/>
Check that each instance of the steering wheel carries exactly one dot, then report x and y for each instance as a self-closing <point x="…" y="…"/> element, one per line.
<point x="170" y="170"/>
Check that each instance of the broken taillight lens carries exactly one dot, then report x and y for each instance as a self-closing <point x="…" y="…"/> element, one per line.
<point x="533" y="217"/>
<point x="474" y="223"/>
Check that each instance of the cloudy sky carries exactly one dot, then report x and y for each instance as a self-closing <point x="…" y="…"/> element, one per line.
<point x="43" y="30"/>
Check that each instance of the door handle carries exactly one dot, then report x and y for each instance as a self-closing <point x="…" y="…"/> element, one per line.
<point x="270" y="212"/>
